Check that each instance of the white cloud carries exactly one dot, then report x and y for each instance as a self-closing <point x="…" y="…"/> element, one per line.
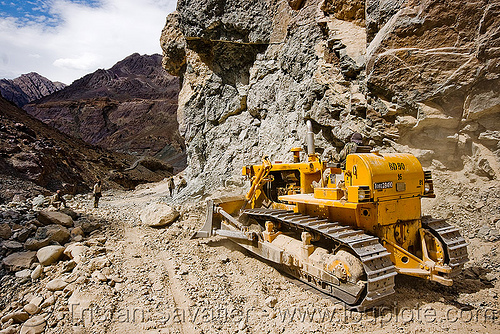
<point x="84" y="63"/>
<point x="85" y="39"/>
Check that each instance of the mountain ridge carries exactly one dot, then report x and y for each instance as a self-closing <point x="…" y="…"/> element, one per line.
<point x="28" y="88"/>
<point x="130" y="108"/>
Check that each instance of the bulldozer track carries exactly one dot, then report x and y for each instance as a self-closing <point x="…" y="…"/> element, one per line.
<point x="377" y="264"/>
<point x="455" y="244"/>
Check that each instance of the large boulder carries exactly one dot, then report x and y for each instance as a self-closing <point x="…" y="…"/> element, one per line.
<point x="35" y="325"/>
<point x="55" y="217"/>
<point x="158" y="215"/>
<point x="19" y="261"/>
<point x="50" y="254"/>
<point x="57" y="233"/>
<point x="76" y="251"/>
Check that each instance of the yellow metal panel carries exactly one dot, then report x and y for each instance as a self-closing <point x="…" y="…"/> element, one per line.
<point x="328" y="193"/>
<point x="390" y="212"/>
<point x="381" y="172"/>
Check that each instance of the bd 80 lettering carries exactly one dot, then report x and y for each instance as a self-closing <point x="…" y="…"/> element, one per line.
<point x="397" y="166"/>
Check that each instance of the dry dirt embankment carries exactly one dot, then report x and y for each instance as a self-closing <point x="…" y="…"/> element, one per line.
<point x="134" y="278"/>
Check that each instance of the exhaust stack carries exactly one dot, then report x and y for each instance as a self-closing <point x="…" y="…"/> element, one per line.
<point x="310" y="138"/>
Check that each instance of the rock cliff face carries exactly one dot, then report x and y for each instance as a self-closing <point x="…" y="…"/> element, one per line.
<point x="418" y="76"/>
<point x="27" y="88"/>
<point x="35" y="158"/>
<point x="129" y="108"/>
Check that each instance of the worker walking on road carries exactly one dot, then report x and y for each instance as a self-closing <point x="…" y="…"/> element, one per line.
<point x="171" y="185"/>
<point x="97" y="193"/>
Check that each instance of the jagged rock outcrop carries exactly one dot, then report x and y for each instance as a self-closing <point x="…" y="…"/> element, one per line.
<point x="129" y="108"/>
<point x="27" y="88"/>
<point x="436" y="67"/>
<point x="35" y="158"/>
<point x="421" y="77"/>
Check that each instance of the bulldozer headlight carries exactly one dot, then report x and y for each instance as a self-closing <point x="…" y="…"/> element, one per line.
<point x="361" y="195"/>
<point x="427" y="187"/>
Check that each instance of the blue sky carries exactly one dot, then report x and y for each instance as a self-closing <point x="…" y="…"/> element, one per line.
<point x="65" y="39"/>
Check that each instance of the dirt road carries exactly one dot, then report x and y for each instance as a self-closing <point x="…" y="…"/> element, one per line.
<point x="172" y="284"/>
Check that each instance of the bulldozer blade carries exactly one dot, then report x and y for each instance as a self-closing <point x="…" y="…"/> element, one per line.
<point x="230" y="205"/>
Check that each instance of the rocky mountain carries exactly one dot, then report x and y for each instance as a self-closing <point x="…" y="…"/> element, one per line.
<point x="415" y="76"/>
<point x="35" y="158"/>
<point x="130" y="108"/>
<point x="27" y="88"/>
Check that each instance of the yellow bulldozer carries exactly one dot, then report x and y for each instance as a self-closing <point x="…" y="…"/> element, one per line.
<point x="345" y="231"/>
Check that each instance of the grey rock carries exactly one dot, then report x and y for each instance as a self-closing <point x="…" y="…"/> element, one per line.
<point x="76" y="251"/>
<point x="483" y="232"/>
<point x="493" y="235"/>
<point x="68" y="266"/>
<point x="48" y="302"/>
<point x="22" y="235"/>
<point x="237" y="21"/>
<point x="299" y="65"/>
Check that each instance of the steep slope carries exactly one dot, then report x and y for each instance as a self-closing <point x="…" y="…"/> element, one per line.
<point x="130" y="107"/>
<point x="36" y="157"/>
<point x="27" y="88"/>
<point x="410" y="76"/>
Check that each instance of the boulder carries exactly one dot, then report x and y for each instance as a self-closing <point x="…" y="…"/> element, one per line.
<point x="35" y="244"/>
<point x="56" y="285"/>
<point x="99" y="263"/>
<point x="31" y="308"/>
<point x="57" y="233"/>
<point x="48" y="302"/>
<point x="55" y="217"/>
<point x="77" y="231"/>
<point x="70" y="213"/>
<point x="49" y="254"/>
<point x="5" y="231"/>
<point x="12" y="245"/>
<point x="25" y="273"/>
<point x="17" y="317"/>
<point x="37" y="272"/>
<point x="35" y="325"/>
<point x="158" y="215"/>
<point x="22" y="235"/>
<point x="19" y="261"/>
<point x="75" y="251"/>
<point x="88" y="226"/>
